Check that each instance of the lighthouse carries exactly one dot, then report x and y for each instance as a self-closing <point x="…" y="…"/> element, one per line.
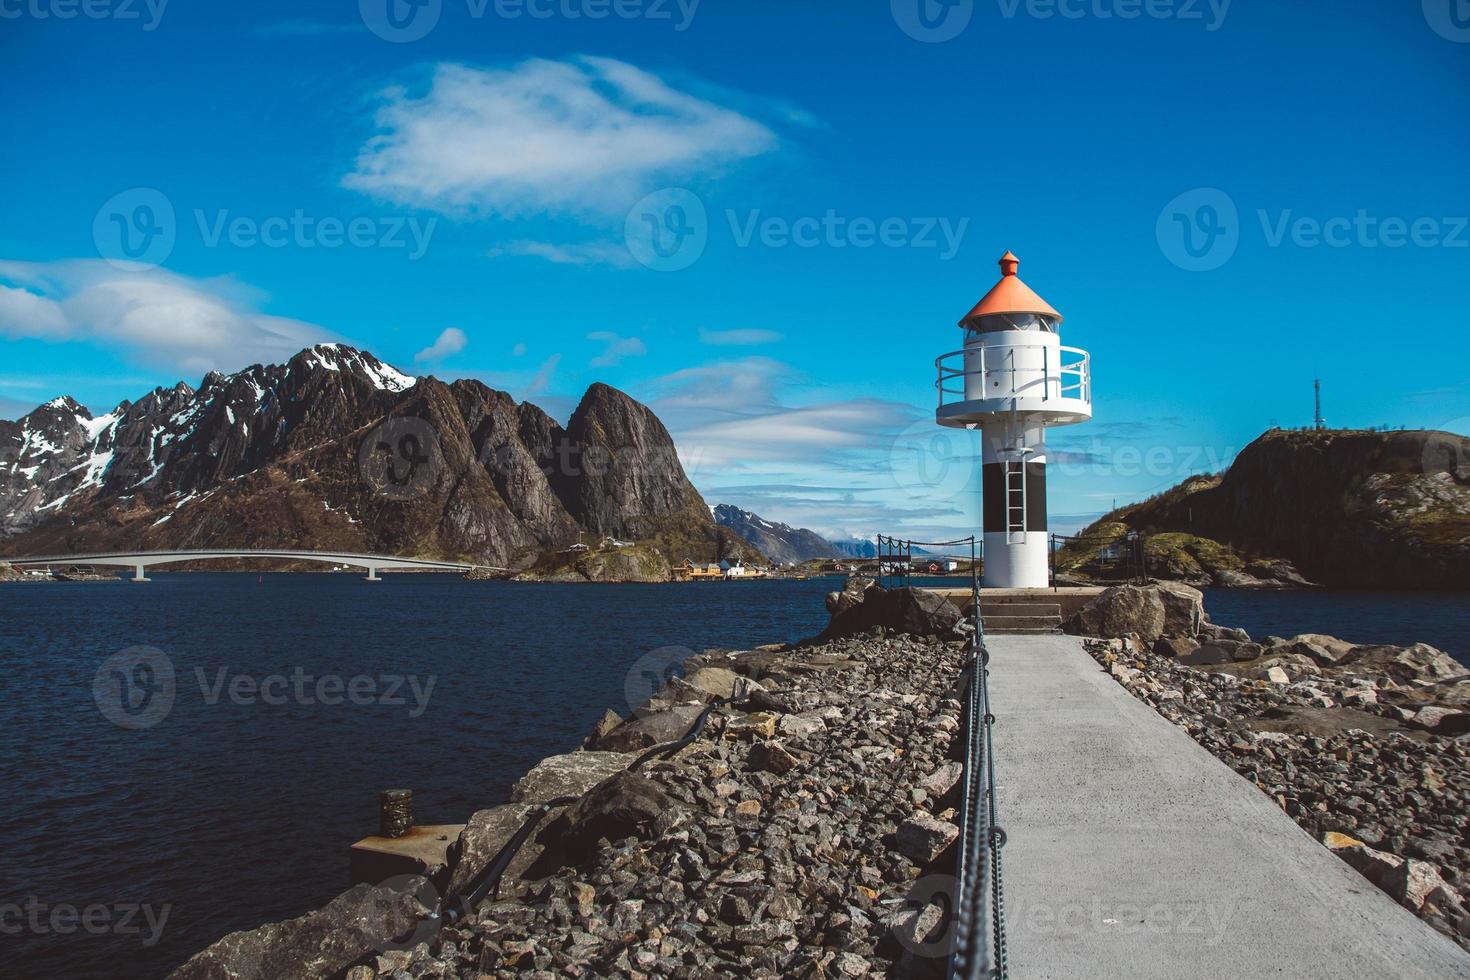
<point x="1013" y="380"/>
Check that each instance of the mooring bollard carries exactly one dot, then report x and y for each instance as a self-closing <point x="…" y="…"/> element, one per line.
<point x="395" y="812"/>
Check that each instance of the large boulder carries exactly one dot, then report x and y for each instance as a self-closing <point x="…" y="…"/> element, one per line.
<point x="650" y="730"/>
<point x="1420" y="662"/>
<point x="628" y="804"/>
<point x="1184" y="608"/>
<point x="361" y="921"/>
<point x="919" y="612"/>
<point x="482" y="838"/>
<point x="851" y="594"/>
<point x="1124" y="610"/>
<point x="1147" y="612"/>
<point x="568" y="775"/>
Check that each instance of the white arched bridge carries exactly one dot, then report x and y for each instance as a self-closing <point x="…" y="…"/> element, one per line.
<point x="140" y="560"/>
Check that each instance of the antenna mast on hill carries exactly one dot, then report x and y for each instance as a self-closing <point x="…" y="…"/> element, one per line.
<point x="1318" y="422"/>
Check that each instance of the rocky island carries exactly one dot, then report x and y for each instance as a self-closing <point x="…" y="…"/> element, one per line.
<point x="1344" y="508"/>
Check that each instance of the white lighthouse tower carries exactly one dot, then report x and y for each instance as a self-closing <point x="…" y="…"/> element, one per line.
<point x="1011" y="380"/>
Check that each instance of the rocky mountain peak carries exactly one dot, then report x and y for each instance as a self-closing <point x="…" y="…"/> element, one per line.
<point x="781" y="542"/>
<point x="273" y="455"/>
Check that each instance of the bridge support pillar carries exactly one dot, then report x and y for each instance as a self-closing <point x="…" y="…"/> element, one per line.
<point x="138" y="575"/>
<point x="372" y="575"/>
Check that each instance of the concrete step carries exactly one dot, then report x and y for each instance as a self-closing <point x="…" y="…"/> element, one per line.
<point x="1023" y="624"/>
<point x="989" y="609"/>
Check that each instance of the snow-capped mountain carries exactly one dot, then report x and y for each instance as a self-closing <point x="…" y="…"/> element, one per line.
<point x="289" y="455"/>
<point x="782" y="542"/>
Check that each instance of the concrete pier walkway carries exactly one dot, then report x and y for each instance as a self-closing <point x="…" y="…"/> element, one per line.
<point x="1135" y="853"/>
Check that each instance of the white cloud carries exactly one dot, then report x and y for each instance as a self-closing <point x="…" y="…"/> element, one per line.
<point x="737" y="338"/>
<point x="584" y="253"/>
<point x="451" y="341"/>
<point x="27" y="314"/>
<point x="158" y="316"/>
<point x="561" y="136"/>
<point x="617" y="348"/>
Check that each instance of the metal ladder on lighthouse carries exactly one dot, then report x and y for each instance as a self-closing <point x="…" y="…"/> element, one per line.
<point x="1015" y="484"/>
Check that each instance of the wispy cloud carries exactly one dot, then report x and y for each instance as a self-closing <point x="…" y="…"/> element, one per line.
<point x="737" y="338"/>
<point x="451" y="341"/>
<point x="586" y="134"/>
<point x="617" y="348"/>
<point x="751" y="433"/>
<point x="158" y="316"/>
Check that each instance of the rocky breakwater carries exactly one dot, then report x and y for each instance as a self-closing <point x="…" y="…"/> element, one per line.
<point x="806" y="830"/>
<point x="1366" y="746"/>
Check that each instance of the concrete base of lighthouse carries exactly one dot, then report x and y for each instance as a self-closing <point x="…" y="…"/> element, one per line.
<point x="1012" y="563"/>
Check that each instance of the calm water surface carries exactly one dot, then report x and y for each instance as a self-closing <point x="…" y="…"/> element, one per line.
<point x="1441" y="619"/>
<point x="237" y="812"/>
<point x="229" y="811"/>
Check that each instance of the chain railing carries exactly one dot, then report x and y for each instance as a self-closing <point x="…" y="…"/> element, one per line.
<point x="979" y="948"/>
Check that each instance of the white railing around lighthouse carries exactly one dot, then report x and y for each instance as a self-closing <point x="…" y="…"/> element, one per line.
<point x="1060" y="373"/>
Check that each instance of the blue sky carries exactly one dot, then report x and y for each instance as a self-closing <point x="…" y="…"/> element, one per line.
<point x="464" y="188"/>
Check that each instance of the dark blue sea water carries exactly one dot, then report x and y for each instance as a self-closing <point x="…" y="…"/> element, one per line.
<point x="236" y="812"/>
<point x="1441" y="619"/>
<point x="224" y="810"/>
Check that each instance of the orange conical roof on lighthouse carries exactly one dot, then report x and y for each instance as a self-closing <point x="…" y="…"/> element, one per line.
<point x="1010" y="295"/>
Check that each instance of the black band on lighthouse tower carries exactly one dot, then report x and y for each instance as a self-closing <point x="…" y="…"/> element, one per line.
<point x="995" y="516"/>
